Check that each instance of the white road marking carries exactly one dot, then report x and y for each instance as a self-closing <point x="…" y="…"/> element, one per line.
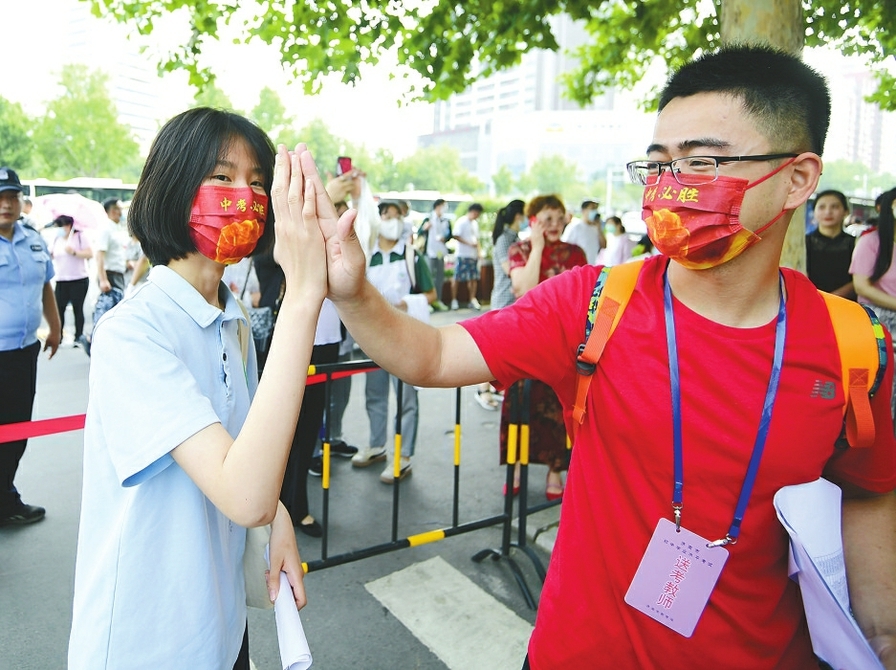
<point x="459" y="622"/>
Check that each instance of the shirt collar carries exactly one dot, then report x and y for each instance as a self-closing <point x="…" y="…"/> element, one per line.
<point x="397" y="249"/>
<point x="190" y="300"/>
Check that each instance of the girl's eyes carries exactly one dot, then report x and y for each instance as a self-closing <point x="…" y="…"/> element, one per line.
<point x="255" y="184"/>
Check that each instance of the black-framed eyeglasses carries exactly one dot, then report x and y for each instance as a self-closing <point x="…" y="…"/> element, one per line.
<point x="690" y="170"/>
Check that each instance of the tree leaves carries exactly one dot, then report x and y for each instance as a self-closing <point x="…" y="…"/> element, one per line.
<point x="450" y="44"/>
<point x="80" y="135"/>
<point x="16" y="145"/>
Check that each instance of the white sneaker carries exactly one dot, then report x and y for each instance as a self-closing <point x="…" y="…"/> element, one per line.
<point x="368" y="456"/>
<point x="474" y="304"/>
<point x="388" y="475"/>
<point x="486" y="400"/>
<point x="454" y="304"/>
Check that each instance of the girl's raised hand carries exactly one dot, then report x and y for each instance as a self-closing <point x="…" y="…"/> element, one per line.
<point x="299" y="202"/>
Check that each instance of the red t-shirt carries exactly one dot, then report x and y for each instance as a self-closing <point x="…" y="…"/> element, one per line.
<point x="620" y="479"/>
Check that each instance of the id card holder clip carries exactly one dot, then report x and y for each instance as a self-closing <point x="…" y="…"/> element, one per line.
<point x="676" y="577"/>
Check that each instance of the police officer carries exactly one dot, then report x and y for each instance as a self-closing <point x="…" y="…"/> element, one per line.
<point x="25" y="293"/>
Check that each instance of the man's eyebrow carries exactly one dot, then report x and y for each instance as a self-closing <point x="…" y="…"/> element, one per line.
<point x="688" y="145"/>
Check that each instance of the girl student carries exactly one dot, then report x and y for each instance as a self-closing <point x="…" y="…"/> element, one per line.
<point x="175" y="471"/>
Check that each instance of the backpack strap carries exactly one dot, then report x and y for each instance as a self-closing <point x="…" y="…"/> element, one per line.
<point x="611" y="294"/>
<point x="863" y="360"/>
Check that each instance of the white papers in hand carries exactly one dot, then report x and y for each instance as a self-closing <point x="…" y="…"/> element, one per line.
<point x="294" y="651"/>
<point x="811" y="515"/>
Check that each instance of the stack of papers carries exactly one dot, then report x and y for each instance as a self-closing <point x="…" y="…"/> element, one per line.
<point x="811" y="515"/>
<point x="294" y="651"/>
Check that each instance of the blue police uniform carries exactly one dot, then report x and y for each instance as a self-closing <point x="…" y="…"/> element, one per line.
<point x="25" y="268"/>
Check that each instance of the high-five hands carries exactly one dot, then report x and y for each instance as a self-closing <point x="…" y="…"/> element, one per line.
<point x="300" y="202"/>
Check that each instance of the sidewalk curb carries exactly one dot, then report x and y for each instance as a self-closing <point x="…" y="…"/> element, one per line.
<point x="541" y="528"/>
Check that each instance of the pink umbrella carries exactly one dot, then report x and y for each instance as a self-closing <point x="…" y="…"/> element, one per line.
<point x="87" y="213"/>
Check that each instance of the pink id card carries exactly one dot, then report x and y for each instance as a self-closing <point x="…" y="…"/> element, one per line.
<point x="676" y="577"/>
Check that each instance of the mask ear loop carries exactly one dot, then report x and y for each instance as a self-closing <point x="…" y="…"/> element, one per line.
<point x="771" y="174"/>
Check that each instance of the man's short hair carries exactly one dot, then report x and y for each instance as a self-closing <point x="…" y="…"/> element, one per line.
<point x="438" y="202"/>
<point x="789" y="101"/>
<point x="182" y="156"/>
<point x="109" y="203"/>
<point x="588" y="204"/>
<point x="475" y="207"/>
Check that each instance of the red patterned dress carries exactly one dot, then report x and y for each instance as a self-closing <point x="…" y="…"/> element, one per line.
<point x="547" y="432"/>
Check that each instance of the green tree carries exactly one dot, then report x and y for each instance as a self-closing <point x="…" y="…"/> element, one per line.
<point x="270" y="114"/>
<point x="80" y="135"/>
<point x="210" y="95"/>
<point x="16" y="146"/>
<point x="503" y="180"/>
<point x="437" y="168"/>
<point x="552" y="174"/>
<point x="854" y="178"/>
<point x="450" y="44"/>
<point x="323" y="145"/>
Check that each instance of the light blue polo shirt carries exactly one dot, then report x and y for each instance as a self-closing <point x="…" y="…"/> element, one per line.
<point x="158" y="577"/>
<point x="24" y="269"/>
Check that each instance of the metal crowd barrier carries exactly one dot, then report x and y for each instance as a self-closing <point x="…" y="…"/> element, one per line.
<point x="517" y="449"/>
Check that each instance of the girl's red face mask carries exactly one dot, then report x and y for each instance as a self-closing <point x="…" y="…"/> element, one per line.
<point x="699" y="226"/>
<point x="226" y="223"/>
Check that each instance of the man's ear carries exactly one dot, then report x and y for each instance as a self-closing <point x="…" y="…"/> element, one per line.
<point x="806" y="171"/>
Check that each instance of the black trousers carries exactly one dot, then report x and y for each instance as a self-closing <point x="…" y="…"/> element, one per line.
<point x="73" y="292"/>
<point x="294" y="492"/>
<point x="242" y="661"/>
<point x="18" y="384"/>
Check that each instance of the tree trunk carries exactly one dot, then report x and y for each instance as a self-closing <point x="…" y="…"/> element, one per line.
<point x="779" y="23"/>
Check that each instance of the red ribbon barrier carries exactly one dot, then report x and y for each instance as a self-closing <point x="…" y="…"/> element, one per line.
<point x="13" y="432"/>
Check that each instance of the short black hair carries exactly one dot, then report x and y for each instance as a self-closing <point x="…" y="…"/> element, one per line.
<point x="837" y="194"/>
<point x="475" y="207"/>
<point x="586" y="204"/>
<point x="788" y="99"/>
<point x="182" y="155"/>
<point x="438" y="202"/>
<point x="386" y="204"/>
<point x="109" y="203"/>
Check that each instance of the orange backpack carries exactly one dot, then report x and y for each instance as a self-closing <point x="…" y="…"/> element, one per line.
<point x="860" y="340"/>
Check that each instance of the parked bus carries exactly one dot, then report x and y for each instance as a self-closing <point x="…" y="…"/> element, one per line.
<point x="95" y="188"/>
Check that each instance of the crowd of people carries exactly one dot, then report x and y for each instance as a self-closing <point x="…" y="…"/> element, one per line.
<point x="719" y="348"/>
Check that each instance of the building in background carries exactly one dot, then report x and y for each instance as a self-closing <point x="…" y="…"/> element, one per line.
<point x="860" y="131"/>
<point x="134" y="84"/>
<point x="515" y="116"/>
<point x="518" y="115"/>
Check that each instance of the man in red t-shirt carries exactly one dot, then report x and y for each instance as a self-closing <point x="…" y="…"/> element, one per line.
<point x="715" y="361"/>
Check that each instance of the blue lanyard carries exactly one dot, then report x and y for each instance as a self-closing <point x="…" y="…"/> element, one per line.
<point x="764" y="423"/>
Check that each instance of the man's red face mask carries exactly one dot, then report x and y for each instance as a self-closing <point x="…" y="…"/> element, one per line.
<point x="699" y="226"/>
